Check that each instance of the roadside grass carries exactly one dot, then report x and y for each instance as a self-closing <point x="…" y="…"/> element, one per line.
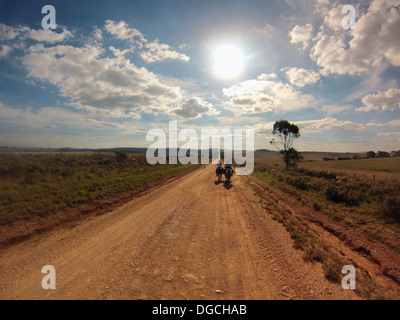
<point x="357" y="202"/>
<point x="357" y="199"/>
<point x="313" y="248"/>
<point x="39" y="184"/>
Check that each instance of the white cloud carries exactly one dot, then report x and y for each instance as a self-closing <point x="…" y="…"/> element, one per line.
<point x="49" y="36"/>
<point x="374" y="38"/>
<point x="331" y="109"/>
<point x="312" y="126"/>
<point x="98" y="34"/>
<point x="151" y="51"/>
<point x="301" y="34"/>
<point x="9" y="33"/>
<point x="301" y="77"/>
<point x="333" y="18"/>
<point x="259" y="96"/>
<point x="91" y="82"/>
<point x="50" y="117"/>
<point x="328" y="123"/>
<point x="156" y="51"/>
<point x="387" y="100"/>
<point x="389" y="134"/>
<point x="267" y="30"/>
<point x="267" y="76"/>
<point x="393" y="123"/>
<point x="121" y="30"/>
<point x="193" y="108"/>
<point x="4" y="50"/>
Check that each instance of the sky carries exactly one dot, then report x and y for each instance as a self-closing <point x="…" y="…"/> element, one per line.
<point x="111" y="71"/>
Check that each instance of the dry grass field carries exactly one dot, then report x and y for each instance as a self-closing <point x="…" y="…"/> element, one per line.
<point x="39" y="184"/>
<point x="356" y="200"/>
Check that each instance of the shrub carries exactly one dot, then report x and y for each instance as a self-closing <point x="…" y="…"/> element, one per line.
<point x="391" y="208"/>
<point x="121" y="156"/>
<point x="350" y="197"/>
<point x="297" y="182"/>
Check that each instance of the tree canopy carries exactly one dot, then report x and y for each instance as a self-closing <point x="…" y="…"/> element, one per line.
<point x="287" y="132"/>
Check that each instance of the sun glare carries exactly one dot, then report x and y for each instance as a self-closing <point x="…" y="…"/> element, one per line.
<point x="228" y="62"/>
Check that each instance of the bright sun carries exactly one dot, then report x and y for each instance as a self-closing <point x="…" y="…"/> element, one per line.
<point x="228" y="62"/>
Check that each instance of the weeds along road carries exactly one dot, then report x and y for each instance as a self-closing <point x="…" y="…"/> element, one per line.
<point x="189" y="239"/>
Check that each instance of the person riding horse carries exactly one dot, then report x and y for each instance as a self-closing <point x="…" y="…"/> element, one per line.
<point x="219" y="171"/>
<point x="228" y="172"/>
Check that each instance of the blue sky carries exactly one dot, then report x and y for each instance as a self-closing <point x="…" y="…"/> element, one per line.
<point x="113" y="70"/>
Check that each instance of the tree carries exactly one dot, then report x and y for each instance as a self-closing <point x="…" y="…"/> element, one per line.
<point x="382" y="154"/>
<point x="371" y="154"/>
<point x="287" y="132"/>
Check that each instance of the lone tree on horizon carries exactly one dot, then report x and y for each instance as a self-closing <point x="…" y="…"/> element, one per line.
<point x="287" y="132"/>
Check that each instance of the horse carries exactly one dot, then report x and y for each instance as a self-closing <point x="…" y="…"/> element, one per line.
<point x="228" y="174"/>
<point x="220" y="171"/>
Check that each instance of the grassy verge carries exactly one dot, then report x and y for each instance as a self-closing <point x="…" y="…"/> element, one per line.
<point x="314" y="249"/>
<point x="39" y="184"/>
<point x="361" y="205"/>
<point x="354" y="199"/>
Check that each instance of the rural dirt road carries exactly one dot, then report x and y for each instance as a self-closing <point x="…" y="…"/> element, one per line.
<point x="192" y="238"/>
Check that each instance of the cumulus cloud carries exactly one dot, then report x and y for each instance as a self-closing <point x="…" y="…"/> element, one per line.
<point x="374" y="39"/>
<point x="388" y="134"/>
<point x="313" y="126"/>
<point x="193" y="108"/>
<point x="393" y="123"/>
<point x="301" y="34"/>
<point x="259" y="96"/>
<point x="121" y="30"/>
<point x="328" y="123"/>
<point x="4" y="50"/>
<point x="48" y="36"/>
<point x="51" y="117"/>
<point x="267" y="76"/>
<point x="383" y="100"/>
<point x="150" y="51"/>
<point x="301" y="77"/>
<point x="157" y="51"/>
<point x="22" y="32"/>
<point x="95" y="83"/>
<point x="10" y="33"/>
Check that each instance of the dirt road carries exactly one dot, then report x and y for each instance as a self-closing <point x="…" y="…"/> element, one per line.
<point x="190" y="239"/>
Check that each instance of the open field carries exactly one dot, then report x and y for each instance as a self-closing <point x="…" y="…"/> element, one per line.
<point x="39" y="184"/>
<point x="356" y="200"/>
<point x="380" y="167"/>
<point x="308" y="155"/>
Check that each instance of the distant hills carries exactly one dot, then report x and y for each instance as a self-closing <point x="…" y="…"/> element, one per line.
<point x="21" y="149"/>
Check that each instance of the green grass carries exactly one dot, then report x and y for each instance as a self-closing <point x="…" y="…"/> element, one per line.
<point x="366" y="206"/>
<point x="38" y="184"/>
<point x="358" y="202"/>
<point x="364" y="196"/>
